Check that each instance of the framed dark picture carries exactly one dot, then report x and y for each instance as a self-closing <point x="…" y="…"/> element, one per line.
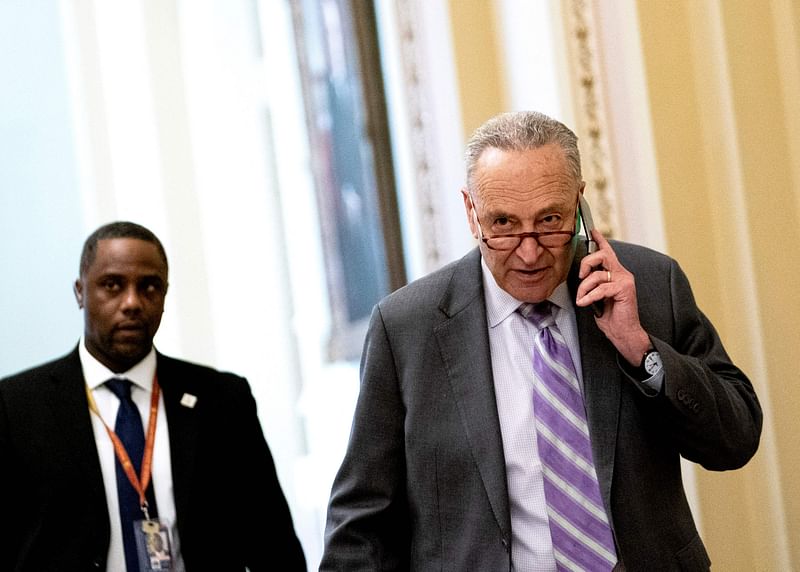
<point x="344" y="99"/>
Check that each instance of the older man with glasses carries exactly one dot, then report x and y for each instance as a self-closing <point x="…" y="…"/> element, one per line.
<point x="504" y="425"/>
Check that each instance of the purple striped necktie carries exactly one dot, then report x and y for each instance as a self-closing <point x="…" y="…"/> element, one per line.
<point x="579" y="526"/>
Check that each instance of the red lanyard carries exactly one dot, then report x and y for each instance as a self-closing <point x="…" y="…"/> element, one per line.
<point x="141" y="482"/>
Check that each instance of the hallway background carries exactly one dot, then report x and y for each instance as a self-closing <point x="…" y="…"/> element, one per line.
<point x="210" y="121"/>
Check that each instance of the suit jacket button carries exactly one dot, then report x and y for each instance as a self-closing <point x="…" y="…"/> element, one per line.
<point x="681" y="394"/>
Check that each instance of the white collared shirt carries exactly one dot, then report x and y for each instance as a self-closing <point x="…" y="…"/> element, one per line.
<point x="141" y="375"/>
<point x="511" y="339"/>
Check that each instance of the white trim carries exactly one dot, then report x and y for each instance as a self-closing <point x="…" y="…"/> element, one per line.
<point x="630" y="126"/>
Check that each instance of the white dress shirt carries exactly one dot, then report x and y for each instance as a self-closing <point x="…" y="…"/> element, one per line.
<point x="141" y="375"/>
<point x="511" y="339"/>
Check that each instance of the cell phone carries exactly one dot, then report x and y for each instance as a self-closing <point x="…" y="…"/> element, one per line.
<point x="591" y="244"/>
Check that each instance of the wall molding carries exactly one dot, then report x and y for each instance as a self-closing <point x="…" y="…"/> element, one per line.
<point x="591" y="114"/>
<point x="421" y="130"/>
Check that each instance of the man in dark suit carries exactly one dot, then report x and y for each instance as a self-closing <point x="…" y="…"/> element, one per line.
<point x="449" y="464"/>
<point x="213" y="493"/>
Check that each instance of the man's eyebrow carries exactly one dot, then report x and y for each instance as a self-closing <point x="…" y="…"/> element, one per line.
<point x="499" y="211"/>
<point x="556" y="207"/>
<point x="152" y="279"/>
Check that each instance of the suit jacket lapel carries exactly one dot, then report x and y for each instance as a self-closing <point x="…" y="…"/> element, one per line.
<point x="464" y="343"/>
<point x="65" y="396"/>
<point x="602" y="395"/>
<point x="602" y="390"/>
<point x="183" y="429"/>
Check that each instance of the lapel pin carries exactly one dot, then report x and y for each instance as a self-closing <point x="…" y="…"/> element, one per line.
<point x="188" y="400"/>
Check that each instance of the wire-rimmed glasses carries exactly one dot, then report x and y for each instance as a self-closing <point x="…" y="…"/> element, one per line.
<point x="547" y="239"/>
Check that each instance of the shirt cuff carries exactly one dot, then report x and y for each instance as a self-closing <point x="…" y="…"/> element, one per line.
<point x="651" y="386"/>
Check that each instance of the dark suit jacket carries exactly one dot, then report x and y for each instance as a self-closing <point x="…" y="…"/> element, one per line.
<point x="423" y="482"/>
<point x="231" y="511"/>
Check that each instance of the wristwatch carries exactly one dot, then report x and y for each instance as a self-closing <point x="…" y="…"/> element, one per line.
<point x="651" y="364"/>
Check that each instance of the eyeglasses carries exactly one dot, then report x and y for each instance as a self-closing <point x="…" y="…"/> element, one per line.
<point x="547" y="239"/>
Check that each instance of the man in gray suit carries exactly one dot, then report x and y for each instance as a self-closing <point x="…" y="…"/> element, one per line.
<point x="445" y="466"/>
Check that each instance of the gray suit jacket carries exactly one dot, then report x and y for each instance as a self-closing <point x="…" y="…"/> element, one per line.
<point x="423" y="482"/>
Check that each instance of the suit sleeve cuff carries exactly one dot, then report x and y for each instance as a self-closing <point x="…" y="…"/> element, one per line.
<point x="651" y="387"/>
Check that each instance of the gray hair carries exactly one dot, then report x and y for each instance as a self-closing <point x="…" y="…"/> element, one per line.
<point x="522" y="131"/>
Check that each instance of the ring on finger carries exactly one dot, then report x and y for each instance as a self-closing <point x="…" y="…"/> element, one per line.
<point x="608" y="275"/>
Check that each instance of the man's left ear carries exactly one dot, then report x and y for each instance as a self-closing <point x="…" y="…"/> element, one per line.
<point x="163" y="298"/>
<point x="468" y="206"/>
<point x="77" y="289"/>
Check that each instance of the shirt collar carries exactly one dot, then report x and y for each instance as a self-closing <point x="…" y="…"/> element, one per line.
<point x="96" y="374"/>
<point x="500" y="304"/>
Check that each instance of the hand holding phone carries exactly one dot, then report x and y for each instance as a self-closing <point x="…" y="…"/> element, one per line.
<point x="617" y="311"/>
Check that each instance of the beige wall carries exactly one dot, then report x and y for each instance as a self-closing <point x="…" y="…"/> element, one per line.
<point x="722" y="79"/>
<point x="480" y="75"/>
<point x="723" y="92"/>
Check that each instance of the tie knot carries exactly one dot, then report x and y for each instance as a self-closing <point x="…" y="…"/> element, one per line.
<point x="120" y="387"/>
<point x="540" y="313"/>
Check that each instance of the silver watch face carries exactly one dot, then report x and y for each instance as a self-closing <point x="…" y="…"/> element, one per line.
<point x="652" y="363"/>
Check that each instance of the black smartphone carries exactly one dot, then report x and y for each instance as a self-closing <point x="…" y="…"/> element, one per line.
<point x="591" y="244"/>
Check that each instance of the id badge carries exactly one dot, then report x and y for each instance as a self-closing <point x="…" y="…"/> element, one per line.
<point x="153" y="545"/>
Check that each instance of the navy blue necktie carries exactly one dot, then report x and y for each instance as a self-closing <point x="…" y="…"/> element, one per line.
<point x="128" y="428"/>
